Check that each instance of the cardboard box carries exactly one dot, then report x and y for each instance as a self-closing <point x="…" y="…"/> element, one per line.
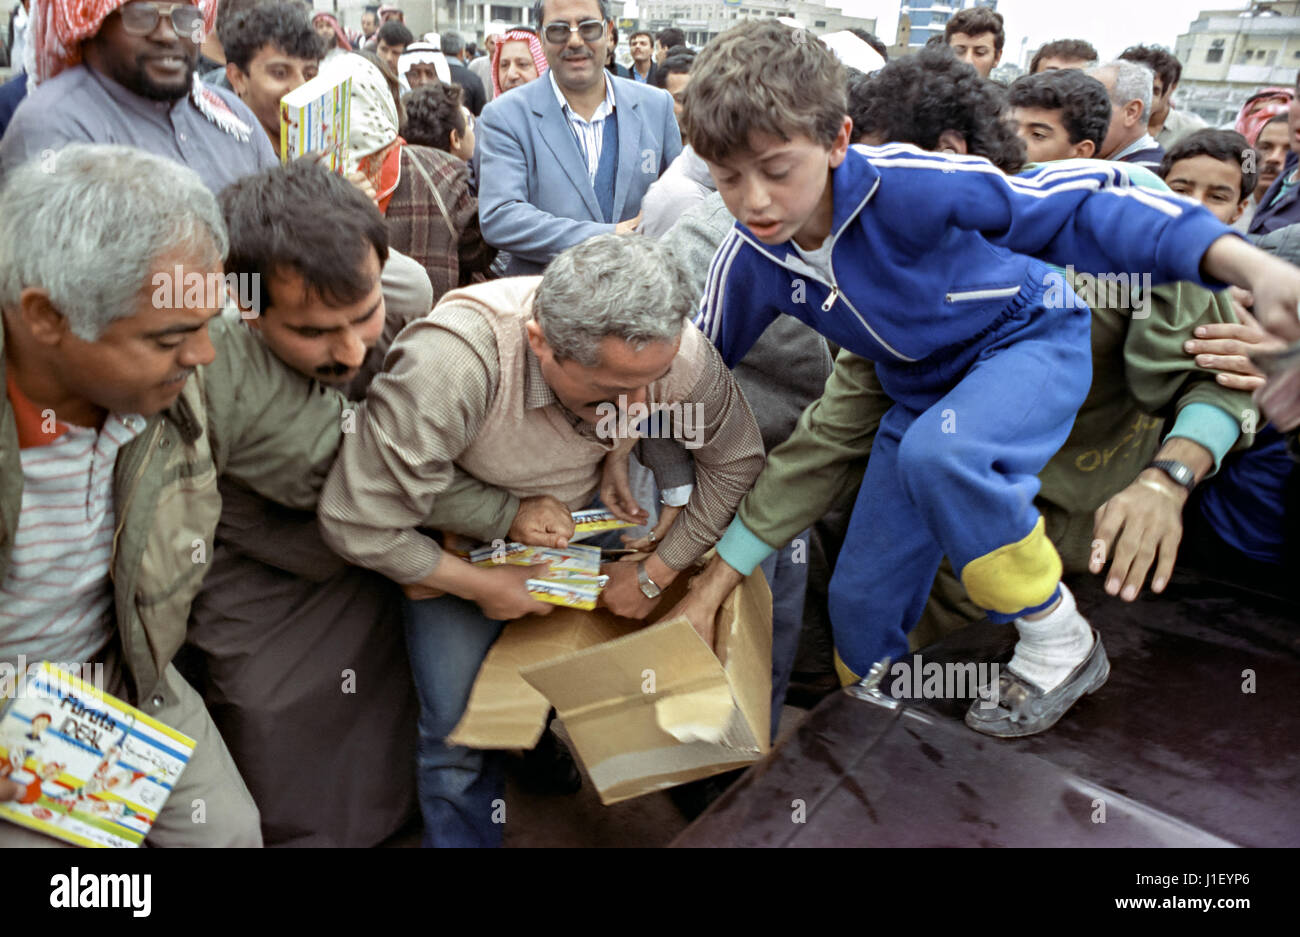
<point x="646" y="707"/>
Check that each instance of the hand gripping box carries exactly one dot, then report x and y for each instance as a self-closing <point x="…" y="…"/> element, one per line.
<point x="646" y="707"/>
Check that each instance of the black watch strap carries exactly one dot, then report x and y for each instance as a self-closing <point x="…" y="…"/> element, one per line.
<point x="1180" y="473"/>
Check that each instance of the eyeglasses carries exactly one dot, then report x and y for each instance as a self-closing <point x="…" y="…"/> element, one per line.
<point x="559" y="33"/>
<point x="140" y="19"/>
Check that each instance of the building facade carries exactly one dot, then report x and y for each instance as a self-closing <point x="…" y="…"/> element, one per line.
<point x="1229" y="54"/>
<point x="469" y="19"/>
<point x="927" y="18"/>
<point x="701" y="20"/>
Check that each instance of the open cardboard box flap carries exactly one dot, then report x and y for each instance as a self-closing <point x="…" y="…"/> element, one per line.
<point x="645" y="707"/>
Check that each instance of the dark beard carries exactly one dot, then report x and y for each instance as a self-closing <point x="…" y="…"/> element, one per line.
<point x="133" y="78"/>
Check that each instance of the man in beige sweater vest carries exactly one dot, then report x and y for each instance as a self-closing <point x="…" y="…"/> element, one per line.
<point x="515" y="382"/>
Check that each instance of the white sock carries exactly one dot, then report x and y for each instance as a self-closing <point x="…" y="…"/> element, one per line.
<point x="1051" y="647"/>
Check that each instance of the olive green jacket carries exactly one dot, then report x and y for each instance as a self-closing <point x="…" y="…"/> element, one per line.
<point x="247" y="417"/>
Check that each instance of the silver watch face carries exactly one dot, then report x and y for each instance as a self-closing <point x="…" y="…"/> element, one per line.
<point x="1180" y="473"/>
<point x="648" y="587"/>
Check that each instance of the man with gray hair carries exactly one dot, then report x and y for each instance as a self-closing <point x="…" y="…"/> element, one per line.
<point x="1127" y="140"/>
<point x="453" y="47"/>
<point x="124" y="400"/>
<point x="528" y="384"/>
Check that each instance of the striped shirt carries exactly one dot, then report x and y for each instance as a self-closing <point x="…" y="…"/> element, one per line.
<point x="56" y="601"/>
<point x="590" y="134"/>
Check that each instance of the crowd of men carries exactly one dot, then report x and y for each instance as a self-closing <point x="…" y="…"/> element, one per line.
<point x="242" y="502"/>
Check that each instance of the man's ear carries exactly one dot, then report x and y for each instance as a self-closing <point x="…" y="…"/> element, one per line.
<point x="1133" y="113"/>
<point x="537" y="339"/>
<point x="997" y="57"/>
<point x="950" y="141"/>
<point x="1085" y="149"/>
<point x="238" y="80"/>
<point x="45" y="323"/>
<point x="454" y="140"/>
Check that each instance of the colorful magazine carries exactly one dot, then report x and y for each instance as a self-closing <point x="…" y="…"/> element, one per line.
<point x="595" y="521"/>
<point x="574" y="579"/>
<point x="314" y="118"/>
<point x="95" y="770"/>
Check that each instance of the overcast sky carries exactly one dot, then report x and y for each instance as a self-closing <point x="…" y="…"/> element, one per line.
<point x="1110" y="25"/>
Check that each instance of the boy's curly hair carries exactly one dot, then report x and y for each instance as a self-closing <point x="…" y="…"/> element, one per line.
<point x="915" y="99"/>
<point x="432" y="113"/>
<point x="1083" y="101"/>
<point x="763" y="77"/>
<point x="282" y="26"/>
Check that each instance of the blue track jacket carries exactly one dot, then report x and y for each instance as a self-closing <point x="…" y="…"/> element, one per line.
<point x="931" y="249"/>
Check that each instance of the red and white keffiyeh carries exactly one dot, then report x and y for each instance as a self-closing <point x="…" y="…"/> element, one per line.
<point x="1259" y="109"/>
<point x="534" y="47"/>
<point x="59" y="27"/>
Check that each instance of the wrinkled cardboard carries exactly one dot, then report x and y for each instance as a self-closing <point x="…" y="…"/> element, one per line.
<point x="646" y="707"/>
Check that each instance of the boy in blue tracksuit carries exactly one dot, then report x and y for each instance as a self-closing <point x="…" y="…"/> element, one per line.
<point x="926" y="264"/>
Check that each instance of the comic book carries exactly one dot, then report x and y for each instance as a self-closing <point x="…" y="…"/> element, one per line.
<point x="574" y="579"/>
<point x="95" y="770"/>
<point x="314" y="117"/>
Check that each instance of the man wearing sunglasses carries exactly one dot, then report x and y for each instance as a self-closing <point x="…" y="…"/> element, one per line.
<point x="570" y="156"/>
<point x="110" y="72"/>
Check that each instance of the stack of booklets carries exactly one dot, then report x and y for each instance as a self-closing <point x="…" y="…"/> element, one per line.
<point x="574" y="579"/>
<point x="94" y="771"/>
<point x="314" y="118"/>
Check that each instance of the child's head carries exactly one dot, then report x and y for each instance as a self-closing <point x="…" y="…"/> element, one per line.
<point x="766" y="109"/>
<point x="1063" y="53"/>
<point x="936" y="102"/>
<point x="1211" y="167"/>
<point x="435" y="117"/>
<point x="1060" y="114"/>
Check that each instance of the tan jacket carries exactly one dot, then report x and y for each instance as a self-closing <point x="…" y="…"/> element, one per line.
<point x="462" y="389"/>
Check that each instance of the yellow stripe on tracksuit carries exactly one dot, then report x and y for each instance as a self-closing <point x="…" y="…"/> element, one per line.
<point x="847" y="677"/>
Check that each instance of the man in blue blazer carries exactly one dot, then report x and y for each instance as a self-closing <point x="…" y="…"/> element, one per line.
<point x="570" y="155"/>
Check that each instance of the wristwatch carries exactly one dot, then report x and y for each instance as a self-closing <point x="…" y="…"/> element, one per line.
<point x="648" y="587"/>
<point x="1180" y="473"/>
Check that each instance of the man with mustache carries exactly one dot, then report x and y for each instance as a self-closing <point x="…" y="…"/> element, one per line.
<point x="110" y="72"/>
<point x="570" y="156"/>
<point x="301" y="654"/>
<point x="125" y="73"/>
